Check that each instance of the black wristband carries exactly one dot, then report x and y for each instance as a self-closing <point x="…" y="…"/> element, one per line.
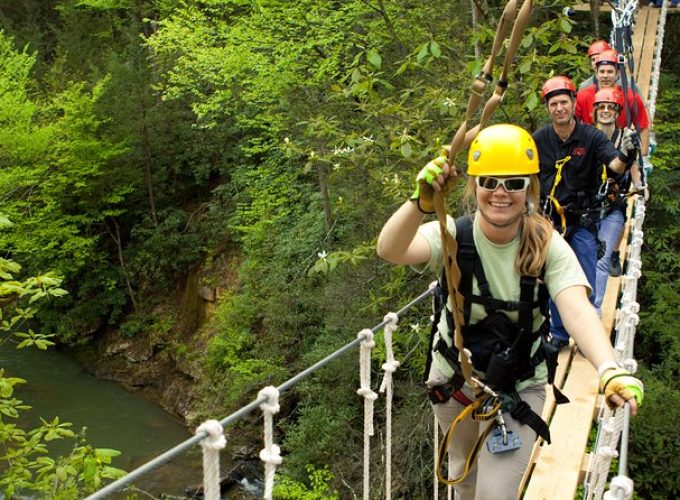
<point x="626" y="158"/>
<point x="417" y="202"/>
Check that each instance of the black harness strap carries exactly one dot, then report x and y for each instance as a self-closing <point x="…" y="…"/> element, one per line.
<point x="470" y="265"/>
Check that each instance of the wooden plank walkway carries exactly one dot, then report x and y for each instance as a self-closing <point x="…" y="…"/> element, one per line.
<point x="556" y="470"/>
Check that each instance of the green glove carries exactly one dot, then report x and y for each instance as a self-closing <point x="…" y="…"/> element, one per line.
<point x="621" y="382"/>
<point x="424" y="180"/>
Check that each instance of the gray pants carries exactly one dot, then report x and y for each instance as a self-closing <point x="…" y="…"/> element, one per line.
<point x="493" y="477"/>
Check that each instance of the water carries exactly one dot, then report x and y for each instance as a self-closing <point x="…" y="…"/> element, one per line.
<point x="114" y="418"/>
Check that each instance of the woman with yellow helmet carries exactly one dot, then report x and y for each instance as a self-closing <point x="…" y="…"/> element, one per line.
<point x="514" y="248"/>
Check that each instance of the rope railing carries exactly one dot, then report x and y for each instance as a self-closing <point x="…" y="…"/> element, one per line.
<point x="613" y="425"/>
<point x="264" y="398"/>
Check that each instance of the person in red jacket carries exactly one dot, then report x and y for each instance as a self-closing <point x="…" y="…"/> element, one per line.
<point x="595" y="49"/>
<point x="606" y="77"/>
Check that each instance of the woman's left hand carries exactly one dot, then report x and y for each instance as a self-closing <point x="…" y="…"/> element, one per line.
<point x="619" y="386"/>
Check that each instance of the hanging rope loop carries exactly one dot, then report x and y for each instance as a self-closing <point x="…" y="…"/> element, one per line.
<point x="211" y="445"/>
<point x="390" y="365"/>
<point x="369" y="396"/>
<point x="270" y="454"/>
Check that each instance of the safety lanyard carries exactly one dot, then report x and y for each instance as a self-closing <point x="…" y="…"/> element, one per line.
<point x="484" y="408"/>
<point x="463" y="137"/>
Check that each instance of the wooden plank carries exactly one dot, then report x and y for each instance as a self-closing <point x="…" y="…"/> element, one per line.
<point x="644" y="73"/>
<point x="564" y="363"/>
<point x="557" y="471"/>
<point x="586" y="7"/>
<point x="639" y="37"/>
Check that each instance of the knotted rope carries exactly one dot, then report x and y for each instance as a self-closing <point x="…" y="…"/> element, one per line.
<point x="211" y="444"/>
<point x="270" y="454"/>
<point x="462" y="139"/>
<point x="620" y="487"/>
<point x="389" y="367"/>
<point x="369" y="396"/>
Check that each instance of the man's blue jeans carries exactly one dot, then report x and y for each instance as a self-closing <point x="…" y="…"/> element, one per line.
<point x="609" y="233"/>
<point x="584" y="245"/>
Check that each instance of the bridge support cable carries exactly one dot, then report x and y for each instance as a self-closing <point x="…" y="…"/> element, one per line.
<point x="615" y="424"/>
<point x="242" y="412"/>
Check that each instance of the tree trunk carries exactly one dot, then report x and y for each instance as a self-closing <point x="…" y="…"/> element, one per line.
<point x="121" y="260"/>
<point x="323" y="187"/>
<point x="595" y="16"/>
<point x="475" y="18"/>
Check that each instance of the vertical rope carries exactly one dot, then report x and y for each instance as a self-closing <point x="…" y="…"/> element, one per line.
<point x="389" y="367"/>
<point x="211" y="444"/>
<point x="656" y="72"/>
<point x="369" y="396"/>
<point x="435" y="448"/>
<point x="271" y="453"/>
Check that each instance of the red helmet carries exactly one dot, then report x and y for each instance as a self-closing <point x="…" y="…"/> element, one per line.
<point x="597" y="47"/>
<point x="611" y="94"/>
<point x="557" y="85"/>
<point x="610" y="56"/>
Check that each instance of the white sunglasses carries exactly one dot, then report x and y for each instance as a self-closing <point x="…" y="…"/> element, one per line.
<point x="510" y="184"/>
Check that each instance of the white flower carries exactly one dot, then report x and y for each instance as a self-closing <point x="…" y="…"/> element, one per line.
<point x="322" y="254"/>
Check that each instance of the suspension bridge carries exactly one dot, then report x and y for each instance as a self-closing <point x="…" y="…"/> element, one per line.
<point x="554" y="471"/>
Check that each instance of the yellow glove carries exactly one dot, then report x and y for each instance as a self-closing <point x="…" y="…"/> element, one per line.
<point x="621" y="382"/>
<point x="428" y="176"/>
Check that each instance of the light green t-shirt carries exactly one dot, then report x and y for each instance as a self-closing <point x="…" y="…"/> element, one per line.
<point x="562" y="270"/>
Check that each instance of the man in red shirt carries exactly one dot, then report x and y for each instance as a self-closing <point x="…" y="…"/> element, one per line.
<point x="606" y="76"/>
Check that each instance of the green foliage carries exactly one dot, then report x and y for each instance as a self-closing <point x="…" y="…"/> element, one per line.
<point x="318" y="486"/>
<point x="163" y="252"/>
<point x="652" y="456"/>
<point x="26" y="464"/>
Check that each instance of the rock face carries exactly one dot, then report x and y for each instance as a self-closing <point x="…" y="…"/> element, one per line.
<point x="141" y="366"/>
<point x="157" y="358"/>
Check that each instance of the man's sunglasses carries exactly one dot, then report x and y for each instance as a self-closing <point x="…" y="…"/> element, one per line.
<point x="510" y="184"/>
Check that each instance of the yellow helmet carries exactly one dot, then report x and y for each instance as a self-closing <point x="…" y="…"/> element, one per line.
<point x="503" y="149"/>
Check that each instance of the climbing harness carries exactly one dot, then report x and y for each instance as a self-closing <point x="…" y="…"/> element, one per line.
<point x="483" y="409"/>
<point x="499" y="348"/>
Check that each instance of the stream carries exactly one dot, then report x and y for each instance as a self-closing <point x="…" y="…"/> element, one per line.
<point x="114" y="417"/>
